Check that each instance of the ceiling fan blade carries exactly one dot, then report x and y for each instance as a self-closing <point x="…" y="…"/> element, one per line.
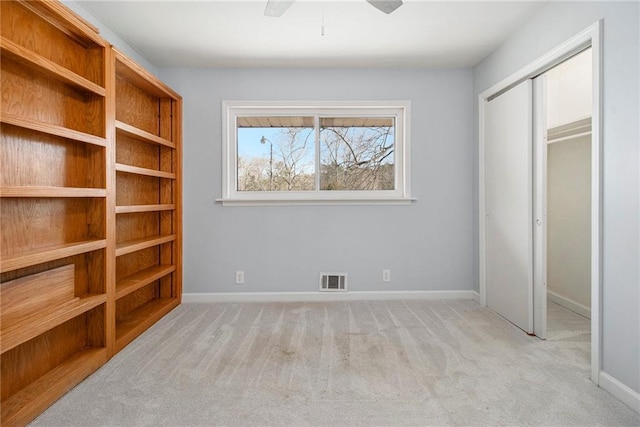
<point x="276" y="8"/>
<point x="386" y="6"/>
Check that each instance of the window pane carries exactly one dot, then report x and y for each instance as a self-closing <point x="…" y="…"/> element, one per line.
<point x="276" y="154"/>
<point x="357" y="153"/>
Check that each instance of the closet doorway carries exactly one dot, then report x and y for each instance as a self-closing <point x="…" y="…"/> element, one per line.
<point x="564" y="155"/>
<point x="538" y="130"/>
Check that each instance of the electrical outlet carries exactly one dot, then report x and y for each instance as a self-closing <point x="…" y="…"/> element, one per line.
<point x="239" y="277"/>
<point x="386" y="275"/>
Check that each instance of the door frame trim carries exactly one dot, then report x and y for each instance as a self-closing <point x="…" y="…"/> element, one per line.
<point x="589" y="37"/>
<point x="540" y="151"/>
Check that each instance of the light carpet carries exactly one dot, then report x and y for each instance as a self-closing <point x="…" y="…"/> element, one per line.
<point x="345" y="363"/>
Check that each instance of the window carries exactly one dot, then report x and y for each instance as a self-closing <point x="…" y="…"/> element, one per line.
<point x="316" y="153"/>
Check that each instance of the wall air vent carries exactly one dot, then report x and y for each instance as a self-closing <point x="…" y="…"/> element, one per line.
<point x="333" y="282"/>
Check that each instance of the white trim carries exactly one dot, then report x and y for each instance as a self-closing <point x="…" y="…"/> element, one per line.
<point x="476" y="297"/>
<point x="596" y="202"/>
<point x="566" y="50"/>
<point x="570" y="304"/>
<point x="306" y="202"/>
<point x="210" y="297"/>
<point x="540" y="207"/>
<point x="482" y="206"/>
<point x="591" y="36"/>
<point x="401" y="110"/>
<point x="625" y="394"/>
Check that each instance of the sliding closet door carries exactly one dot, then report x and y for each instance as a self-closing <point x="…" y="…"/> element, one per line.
<point x="508" y="205"/>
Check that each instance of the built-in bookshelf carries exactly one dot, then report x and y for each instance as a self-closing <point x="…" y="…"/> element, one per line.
<point x="147" y="164"/>
<point x="90" y="203"/>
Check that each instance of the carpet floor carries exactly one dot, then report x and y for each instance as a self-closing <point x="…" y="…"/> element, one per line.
<point x="386" y="363"/>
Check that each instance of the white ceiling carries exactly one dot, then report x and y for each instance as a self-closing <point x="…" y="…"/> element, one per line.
<point x="218" y="33"/>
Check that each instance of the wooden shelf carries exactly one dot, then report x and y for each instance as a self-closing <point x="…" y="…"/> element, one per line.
<point x="143" y="208"/>
<point x="50" y="253"/>
<point x="144" y="171"/>
<point x="55" y="130"/>
<point x="26" y="404"/>
<point x="142" y="135"/>
<point x="63" y="18"/>
<point x="40" y="191"/>
<point x="140" y="319"/>
<point x="142" y="278"/>
<point x="73" y="108"/>
<point x="139" y="244"/>
<point x="30" y="327"/>
<point x="42" y="64"/>
<point x="141" y="78"/>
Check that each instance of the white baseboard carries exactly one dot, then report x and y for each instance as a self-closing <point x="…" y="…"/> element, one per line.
<point x="582" y="310"/>
<point x="475" y="296"/>
<point x="626" y="395"/>
<point x="323" y="296"/>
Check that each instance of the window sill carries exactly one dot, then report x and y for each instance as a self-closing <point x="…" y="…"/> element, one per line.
<point x="314" y="202"/>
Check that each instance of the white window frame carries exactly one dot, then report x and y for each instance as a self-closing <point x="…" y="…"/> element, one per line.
<point x="400" y="110"/>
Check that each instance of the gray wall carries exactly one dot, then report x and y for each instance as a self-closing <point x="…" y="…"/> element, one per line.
<point x="553" y="25"/>
<point x="427" y="245"/>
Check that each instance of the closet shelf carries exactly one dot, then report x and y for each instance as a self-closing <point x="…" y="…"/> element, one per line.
<point x="142" y="135"/>
<point x="132" y="283"/>
<point x="144" y="171"/>
<point x="24" y="405"/>
<point x="144" y="243"/>
<point x="144" y="208"/>
<point x="142" y="318"/>
<point x="51" y="253"/>
<point x="42" y="64"/>
<point x="577" y="128"/>
<point x="55" y="130"/>
<point x="30" y="327"/>
<point x="42" y="191"/>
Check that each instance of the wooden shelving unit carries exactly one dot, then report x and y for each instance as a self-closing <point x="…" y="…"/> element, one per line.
<point x="90" y="203"/>
<point x="148" y="216"/>
<point x="53" y="169"/>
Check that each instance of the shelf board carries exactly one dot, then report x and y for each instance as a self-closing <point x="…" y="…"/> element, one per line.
<point x="142" y="278"/>
<point x="141" y="319"/>
<point x="28" y="328"/>
<point x="42" y="191"/>
<point x="33" y="399"/>
<point x="42" y="64"/>
<point x="139" y="244"/>
<point x="143" y="208"/>
<point x="142" y="135"/>
<point x="64" y="19"/>
<point x="144" y="171"/>
<point x="51" y="253"/>
<point x="50" y="129"/>
<point x="128" y="70"/>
